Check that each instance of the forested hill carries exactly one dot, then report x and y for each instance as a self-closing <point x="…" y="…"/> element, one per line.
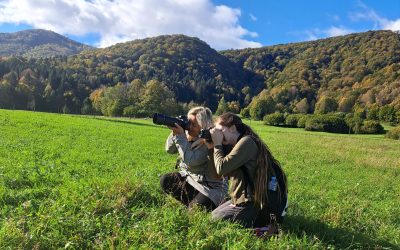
<point x="353" y="70"/>
<point x="38" y="43"/>
<point x="143" y="76"/>
<point x="188" y="66"/>
<point x="183" y="65"/>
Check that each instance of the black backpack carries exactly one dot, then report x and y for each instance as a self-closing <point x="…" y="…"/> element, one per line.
<point x="277" y="200"/>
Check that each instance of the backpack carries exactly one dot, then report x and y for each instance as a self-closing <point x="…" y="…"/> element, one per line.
<point x="277" y="198"/>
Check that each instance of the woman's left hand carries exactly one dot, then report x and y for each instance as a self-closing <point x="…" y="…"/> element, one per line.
<point x="177" y="130"/>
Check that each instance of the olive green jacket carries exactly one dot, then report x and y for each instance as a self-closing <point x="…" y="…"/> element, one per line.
<point x="244" y="154"/>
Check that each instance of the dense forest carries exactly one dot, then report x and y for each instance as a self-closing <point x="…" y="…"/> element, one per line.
<point x="186" y="66"/>
<point x="170" y="73"/>
<point x="335" y="74"/>
<point x="38" y="43"/>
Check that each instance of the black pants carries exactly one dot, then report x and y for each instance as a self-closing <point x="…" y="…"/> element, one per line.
<point x="177" y="186"/>
<point x="245" y="214"/>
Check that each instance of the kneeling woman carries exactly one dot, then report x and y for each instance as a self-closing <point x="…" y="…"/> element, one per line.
<point x="197" y="181"/>
<point x="258" y="187"/>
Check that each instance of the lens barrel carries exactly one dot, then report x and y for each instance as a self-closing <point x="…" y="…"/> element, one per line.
<point x="162" y="119"/>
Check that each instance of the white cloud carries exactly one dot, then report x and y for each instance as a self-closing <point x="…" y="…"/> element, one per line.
<point x="253" y="17"/>
<point x="365" y="14"/>
<point x="392" y="25"/>
<point x="337" y="31"/>
<point x="368" y="14"/>
<point x="123" y="20"/>
<point x="316" y="33"/>
<point x="311" y="34"/>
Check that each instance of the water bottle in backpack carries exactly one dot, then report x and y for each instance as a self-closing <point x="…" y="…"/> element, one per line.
<point x="273" y="184"/>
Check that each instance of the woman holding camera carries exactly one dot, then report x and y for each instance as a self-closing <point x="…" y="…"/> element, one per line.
<point x="197" y="181"/>
<point x="258" y="187"/>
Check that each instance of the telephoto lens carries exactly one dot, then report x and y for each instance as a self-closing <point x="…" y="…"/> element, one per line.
<point x="161" y="119"/>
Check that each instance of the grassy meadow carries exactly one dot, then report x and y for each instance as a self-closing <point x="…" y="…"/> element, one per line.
<point x="91" y="182"/>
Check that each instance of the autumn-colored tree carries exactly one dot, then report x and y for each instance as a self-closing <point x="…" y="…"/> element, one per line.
<point x="96" y="98"/>
<point x="325" y="105"/>
<point x="302" y="106"/>
<point x="346" y="104"/>
<point x="234" y="107"/>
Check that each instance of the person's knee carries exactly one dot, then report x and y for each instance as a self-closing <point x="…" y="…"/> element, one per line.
<point x="217" y="214"/>
<point x="165" y="182"/>
<point x="202" y="201"/>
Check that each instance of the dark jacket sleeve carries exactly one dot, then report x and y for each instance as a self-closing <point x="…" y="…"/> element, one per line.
<point x="243" y="151"/>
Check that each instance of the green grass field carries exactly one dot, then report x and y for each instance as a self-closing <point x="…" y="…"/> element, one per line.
<point x="91" y="182"/>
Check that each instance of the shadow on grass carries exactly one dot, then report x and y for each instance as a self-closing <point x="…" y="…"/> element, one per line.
<point x="338" y="237"/>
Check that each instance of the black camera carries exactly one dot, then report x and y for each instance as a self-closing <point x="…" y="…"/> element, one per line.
<point x="161" y="119"/>
<point x="205" y="134"/>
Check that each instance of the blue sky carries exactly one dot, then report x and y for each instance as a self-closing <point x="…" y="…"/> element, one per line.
<point x="286" y="21"/>
<point x="223" y="24"/>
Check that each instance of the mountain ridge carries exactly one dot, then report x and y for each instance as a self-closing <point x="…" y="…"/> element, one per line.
<point x="38" y="43"/>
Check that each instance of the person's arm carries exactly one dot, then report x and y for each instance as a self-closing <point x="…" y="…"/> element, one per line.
<point x="170" y="146"/>
<point x="191" y="157"/>
<point x="240" y="154"/>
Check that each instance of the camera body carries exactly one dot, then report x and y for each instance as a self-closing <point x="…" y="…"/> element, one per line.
<point x="205" y="134"/>
<point x="161" y="119"/>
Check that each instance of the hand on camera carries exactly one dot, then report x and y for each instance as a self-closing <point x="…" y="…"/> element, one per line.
<point x="177" y="130"/>
<point x="217" y="136"/>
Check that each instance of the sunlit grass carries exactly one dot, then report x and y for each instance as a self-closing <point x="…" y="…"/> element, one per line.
<point x="84" y="182"/>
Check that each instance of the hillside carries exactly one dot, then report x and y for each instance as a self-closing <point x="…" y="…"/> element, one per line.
<point x="357" y="69"/>
<point x="188" y="66"/>
<point x="38" y="43"/>
<point x="353" y="72"/>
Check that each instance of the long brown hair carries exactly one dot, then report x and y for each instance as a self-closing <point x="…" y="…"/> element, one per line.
<point x="265" y="160"/>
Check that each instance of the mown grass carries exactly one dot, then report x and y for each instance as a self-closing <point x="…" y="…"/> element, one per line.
<point x="90" y="182"/>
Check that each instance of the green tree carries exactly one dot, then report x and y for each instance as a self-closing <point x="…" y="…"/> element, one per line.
<point x="373" y="112"/>
<point x="262" y="105"/>
<point x="6" y="95"/>
<point x="87" y="108"/>
<point x="135" y="91"/>
<point x="274" y="119"/>
<point x="387" y="113"/>
<point x="157" y="98"/>
<point x="114" y="100"/>
<point x="325" y="105"/>
<point x="222" y="106"/>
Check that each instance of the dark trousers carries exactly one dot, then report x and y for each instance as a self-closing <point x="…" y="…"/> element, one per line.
<point x="177" y="186"/>
<point x="245" y="214"/>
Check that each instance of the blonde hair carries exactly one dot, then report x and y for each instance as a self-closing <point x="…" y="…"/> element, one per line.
<point x="203" y="116"/>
